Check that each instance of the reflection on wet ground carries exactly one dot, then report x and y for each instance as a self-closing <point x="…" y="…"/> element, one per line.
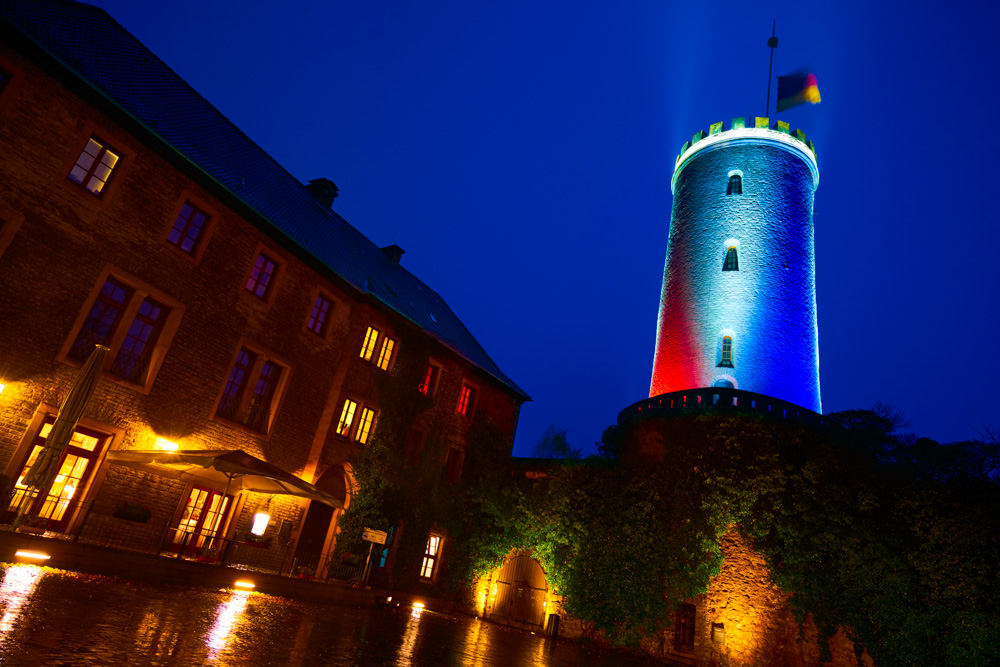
<point x="53" y="617"/>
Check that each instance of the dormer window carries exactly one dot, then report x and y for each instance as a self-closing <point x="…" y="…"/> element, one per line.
<point x="735" y="186"/>
<point x="731" y="263"/>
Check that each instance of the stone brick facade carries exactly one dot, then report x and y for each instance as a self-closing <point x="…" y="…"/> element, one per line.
<point x="59" y="243"/>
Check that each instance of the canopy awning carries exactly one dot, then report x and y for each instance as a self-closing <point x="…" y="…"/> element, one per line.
<point x="233" y="467"/>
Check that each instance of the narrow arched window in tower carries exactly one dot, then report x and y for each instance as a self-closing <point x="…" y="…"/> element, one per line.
<point x="727" y="352"/>
<point x="735" y="186"/>
<point x="732" y="262"/>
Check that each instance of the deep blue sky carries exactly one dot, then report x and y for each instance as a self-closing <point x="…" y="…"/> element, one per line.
<point x="521" y="153"/>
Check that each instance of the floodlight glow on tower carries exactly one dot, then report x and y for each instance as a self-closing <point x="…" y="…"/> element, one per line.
<point x="738" y="305"/>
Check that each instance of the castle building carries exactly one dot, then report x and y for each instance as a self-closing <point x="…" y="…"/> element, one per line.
<point x="738" y="306"/>
<point x="241" y="311"/>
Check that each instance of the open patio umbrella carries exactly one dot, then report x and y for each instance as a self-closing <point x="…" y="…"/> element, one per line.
<point x="239" y="470"/>
<point x="43" y="472"/>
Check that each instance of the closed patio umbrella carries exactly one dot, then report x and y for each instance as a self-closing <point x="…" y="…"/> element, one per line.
<point x="43" y="472"/>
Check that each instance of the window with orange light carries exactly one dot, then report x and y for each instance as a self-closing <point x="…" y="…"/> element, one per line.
<point x="368" y="347"/>
<point x="95" y="166"/>
<point x="366" y="424"/>
<point x="346" y="417"/>
<point x="385" y="354"/>
<point x="432" y="553"/>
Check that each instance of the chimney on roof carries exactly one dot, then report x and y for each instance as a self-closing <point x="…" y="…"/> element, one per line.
<point x="324" y="190"/>
<point x="393" y="252"/>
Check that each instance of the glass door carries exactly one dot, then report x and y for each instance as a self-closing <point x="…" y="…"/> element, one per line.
<point x="76" y="464"/>
<point x="204" y="516"/>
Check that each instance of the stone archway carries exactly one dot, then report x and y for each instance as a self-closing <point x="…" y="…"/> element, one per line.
<point x="519" y="593"/>
<point x="317" y="529"/>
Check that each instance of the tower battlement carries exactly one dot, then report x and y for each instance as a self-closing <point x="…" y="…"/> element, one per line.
<point x="752" y="129"/>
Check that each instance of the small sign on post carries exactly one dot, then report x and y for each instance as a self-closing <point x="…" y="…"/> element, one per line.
<point x="376" y="536"/>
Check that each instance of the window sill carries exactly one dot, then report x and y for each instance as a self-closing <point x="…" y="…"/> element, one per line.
<point x="725" y="364"/>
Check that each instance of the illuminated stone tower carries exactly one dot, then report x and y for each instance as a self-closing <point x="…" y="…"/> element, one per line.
<point x="738" y="306"/>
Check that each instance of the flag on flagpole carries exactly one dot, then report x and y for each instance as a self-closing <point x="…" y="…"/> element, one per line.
<point x="796" y="89"/>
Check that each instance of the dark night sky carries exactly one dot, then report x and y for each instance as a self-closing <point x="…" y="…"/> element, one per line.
<point x="521" y="153"/>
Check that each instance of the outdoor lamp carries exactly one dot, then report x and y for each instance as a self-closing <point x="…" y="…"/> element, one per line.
<point x="33" y="555"/>
<point x="260" y="521"/>
<point x="244" y="584"/>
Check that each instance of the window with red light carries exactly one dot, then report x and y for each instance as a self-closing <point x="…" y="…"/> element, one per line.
<point x="261" y="276"/>
<point x="252" y="390"/>
<point x="453" y="468"/>
<point x="467" y="400"/>
<point x="94" y="167"/>
<point x="320" y="315"/>
<point x="428" y="386"/>
<point x="188" y="228"/>
<point x="432" y="552"/>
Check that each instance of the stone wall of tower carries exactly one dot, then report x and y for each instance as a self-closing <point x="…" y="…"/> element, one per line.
<point x="768" y="306"/>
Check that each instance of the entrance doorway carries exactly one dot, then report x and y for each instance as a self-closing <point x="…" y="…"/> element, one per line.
<point x="76" y="465"/>
<point x="204" y="517"/>
<point x="520" y="594"/>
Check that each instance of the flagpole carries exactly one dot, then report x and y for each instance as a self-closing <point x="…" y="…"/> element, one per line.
<point x="772" y="42"/>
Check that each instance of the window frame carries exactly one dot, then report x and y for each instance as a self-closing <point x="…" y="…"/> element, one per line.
<point x="324" y="332"/>
<point x="139" y="291"/>
<point x="435" y="370"/>
<point x="464" y="408"/>
<point x="386" y="353"/>
<point x="104" y="147"/>
<point x="366" y="410"/>
<point x="726" y="356"/>
<point x="432" y="556"/>
<point x="737" y="180"/>
<point x="453" y="464"/>
<point x="367" y="351"/>
<point x="247" y="393"/>
<point x="371" y="344"/>
<point x="114" y="182"/>
<point x="735" y="252"/>
<point x="272" y="286"/>
<point x="346" y="433"/>
<point x="211" y="218"/>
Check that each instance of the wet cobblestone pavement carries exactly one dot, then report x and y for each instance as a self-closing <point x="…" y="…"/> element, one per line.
<point x="53" y="617"/>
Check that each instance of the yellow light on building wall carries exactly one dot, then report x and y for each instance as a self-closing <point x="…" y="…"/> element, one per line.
<point x="2" y="387"/>
<point x="260" y="521"/>
<point x="166" y="445"/>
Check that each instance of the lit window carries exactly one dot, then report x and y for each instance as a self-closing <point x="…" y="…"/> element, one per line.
<point x="431" y="554"/>
<point x="320" y="315"/>
<point x="429" y="384"/>
<point x="453" y="469"/>
<point x="727" y="352"/>
<point x="188" y="227"/>
<point x="735" y="186"/>
<point x="256" y="408"/>
<point x="366" y="424"/>
<point x="369" y="345"/>
<point x="94" y="166"/>
<point x="385" y="354"/>
<point x="731" y="262"/>
<point x="259" y="282"/>
<point x="467" y="400"/>
<point x="346" y="417"/>
<point x="131" y="353"/>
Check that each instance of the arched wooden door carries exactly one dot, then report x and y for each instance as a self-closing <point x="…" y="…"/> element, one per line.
<point x="521" y="593"/>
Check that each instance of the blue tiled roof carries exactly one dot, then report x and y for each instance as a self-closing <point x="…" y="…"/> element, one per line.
<point x="95" y="47"/>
